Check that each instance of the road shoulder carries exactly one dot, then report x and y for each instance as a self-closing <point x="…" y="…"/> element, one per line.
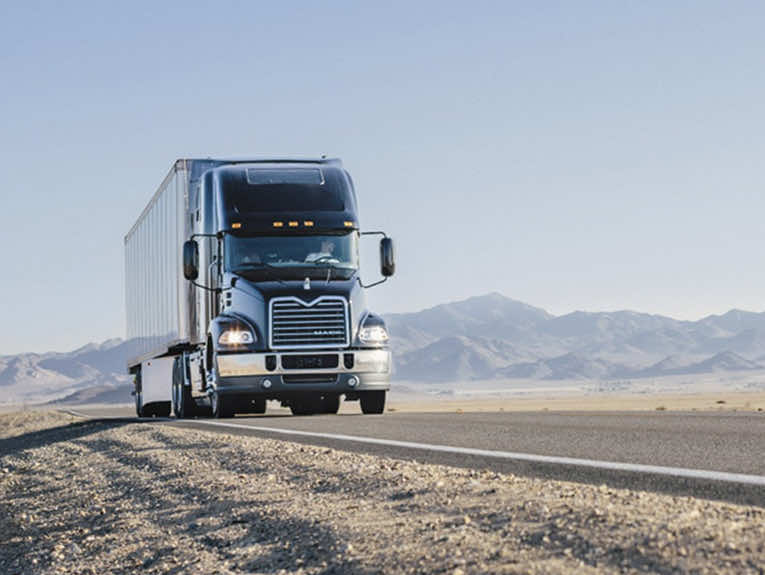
<point x="87" y="497"/>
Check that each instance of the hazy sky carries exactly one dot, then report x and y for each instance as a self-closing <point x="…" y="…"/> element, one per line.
<point x="574" y="155"/>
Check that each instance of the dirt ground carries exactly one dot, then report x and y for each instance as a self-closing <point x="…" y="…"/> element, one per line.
<point x="720" y="401"/>
<point x="407" y="402"/>
<point x="84" y="497"/>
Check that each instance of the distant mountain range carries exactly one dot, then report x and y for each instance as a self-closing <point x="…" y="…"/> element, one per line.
<point x="83" y="373"/>
<point x="493" y="336"/>
<point x="485" y="337"/>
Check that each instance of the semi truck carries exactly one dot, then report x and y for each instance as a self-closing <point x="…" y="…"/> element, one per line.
<point x="243" y="286"/>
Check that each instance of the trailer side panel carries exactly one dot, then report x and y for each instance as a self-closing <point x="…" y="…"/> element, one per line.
<point x="156" y="302"/>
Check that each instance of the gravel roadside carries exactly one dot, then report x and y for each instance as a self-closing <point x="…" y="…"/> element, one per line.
<point x="84" y="497"/>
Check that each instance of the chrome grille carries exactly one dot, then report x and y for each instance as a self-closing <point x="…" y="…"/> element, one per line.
<point x="295" y="324"/>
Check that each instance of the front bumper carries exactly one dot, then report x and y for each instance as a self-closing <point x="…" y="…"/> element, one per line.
<point x="249" y="373"/>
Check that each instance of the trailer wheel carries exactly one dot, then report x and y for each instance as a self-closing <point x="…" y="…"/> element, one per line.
<point x="372" y="402"/>
<point x="222" y="407"/>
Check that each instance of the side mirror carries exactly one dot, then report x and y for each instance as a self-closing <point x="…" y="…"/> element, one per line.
<point x="190" y="260"/>
<point x="387" y="261"/>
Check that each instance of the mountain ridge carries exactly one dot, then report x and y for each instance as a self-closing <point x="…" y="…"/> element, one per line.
<point x="483" y="337"/>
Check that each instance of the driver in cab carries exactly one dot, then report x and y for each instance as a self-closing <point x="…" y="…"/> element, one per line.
<point x="325" y="253"/>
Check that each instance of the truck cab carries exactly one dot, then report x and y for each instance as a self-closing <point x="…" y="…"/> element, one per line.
<point x="276" y="303"/>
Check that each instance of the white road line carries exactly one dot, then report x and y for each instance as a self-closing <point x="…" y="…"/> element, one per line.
<point x="592" y="463"/>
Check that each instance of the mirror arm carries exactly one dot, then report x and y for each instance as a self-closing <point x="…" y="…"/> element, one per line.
<point x="373" y="284"/>
<point x="200" y="286"/>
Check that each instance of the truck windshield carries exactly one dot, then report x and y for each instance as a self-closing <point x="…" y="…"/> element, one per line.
<point x="292" y="257"/>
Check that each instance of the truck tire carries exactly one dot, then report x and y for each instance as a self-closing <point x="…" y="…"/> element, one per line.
<point x="155" y="409"/>
<point x="222" y="407"/>
<point x="184" y="405"/>
<point x="162" y="409"/>
<point x="372" y="402"/>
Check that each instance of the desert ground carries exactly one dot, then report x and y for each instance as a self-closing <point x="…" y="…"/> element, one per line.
<point x="706" y="401"/>
<point x="410" y="402"/>
<point x="84" y="497"/>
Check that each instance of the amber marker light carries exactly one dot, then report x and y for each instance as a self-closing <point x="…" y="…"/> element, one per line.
<point x="348" y="224"/>
<point x="293" y="224"/>
<point x="278" y="224"/>
<point x="308" y="223"/>
<point x="236" y="225"/>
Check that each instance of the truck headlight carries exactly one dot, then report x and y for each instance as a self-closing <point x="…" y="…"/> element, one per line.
<point x="236" y="336"/>
<point x="373" y="334"/>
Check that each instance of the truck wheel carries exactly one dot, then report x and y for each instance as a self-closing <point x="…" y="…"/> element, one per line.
<point x="148" y="409"/>
<point x="222" y="407"/>
<point x="162" y="409"/>
<point x="372" y="402"/>
<point x="183" y="403"/>
<point x="330" y="404"/>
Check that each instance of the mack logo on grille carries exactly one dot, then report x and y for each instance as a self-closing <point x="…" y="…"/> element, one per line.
<point x="297" y="324"/>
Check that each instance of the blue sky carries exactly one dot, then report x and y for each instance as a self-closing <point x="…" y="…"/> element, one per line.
<point x="589" y="155"/>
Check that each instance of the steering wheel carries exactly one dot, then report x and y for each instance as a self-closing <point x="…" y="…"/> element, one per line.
<point x="325" y="259"/>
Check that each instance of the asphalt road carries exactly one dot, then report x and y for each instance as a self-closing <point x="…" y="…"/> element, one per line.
<point x="712" y="455"/>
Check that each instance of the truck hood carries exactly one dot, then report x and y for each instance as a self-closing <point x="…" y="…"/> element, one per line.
<point x="250" y="299"/>
<point x="271" y="289"/>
